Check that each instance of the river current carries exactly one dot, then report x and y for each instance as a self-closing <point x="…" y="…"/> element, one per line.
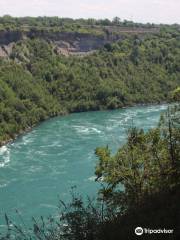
<point x="41" y="166"/>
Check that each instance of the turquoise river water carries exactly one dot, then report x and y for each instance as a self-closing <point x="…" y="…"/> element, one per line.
<point x="41" y="166"/>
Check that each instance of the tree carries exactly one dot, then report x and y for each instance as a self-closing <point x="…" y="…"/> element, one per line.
<point x="116" y="20"/>
<point x="176" y="94"/>
<point x="148" y="163"/>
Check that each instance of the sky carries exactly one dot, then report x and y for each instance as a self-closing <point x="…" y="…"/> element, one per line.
<point x="153" y="11"/>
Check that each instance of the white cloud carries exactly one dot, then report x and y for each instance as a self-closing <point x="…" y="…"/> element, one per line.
<point x="164" y="11"/>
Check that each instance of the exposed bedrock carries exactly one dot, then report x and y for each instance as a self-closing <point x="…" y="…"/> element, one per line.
<point x="65" y="42"/>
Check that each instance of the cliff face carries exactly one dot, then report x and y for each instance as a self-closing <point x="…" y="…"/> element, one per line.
<point x="7" y="40"/>
<point x="7" y="37"/>
<point x="66" y="42"/>
<point x="73" y="42"/>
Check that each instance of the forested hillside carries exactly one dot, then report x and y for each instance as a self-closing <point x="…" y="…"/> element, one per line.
<point x="37" y="82"/>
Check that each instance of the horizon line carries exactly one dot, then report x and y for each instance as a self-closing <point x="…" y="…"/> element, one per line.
<point x="73" y="18"/>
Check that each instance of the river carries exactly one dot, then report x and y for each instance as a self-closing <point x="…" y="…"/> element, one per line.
<point x="41" y="166"/>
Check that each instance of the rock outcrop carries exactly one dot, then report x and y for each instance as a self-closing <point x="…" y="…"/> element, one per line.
<point x="68" y="42"/>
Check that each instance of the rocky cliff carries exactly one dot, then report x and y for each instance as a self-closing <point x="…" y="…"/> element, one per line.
<point x="68" y="42"/>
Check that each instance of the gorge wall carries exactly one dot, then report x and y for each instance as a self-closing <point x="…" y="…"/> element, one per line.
<point x="69" y="42"/>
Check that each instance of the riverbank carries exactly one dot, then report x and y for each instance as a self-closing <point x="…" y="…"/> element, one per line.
<point x="29" y="128"/>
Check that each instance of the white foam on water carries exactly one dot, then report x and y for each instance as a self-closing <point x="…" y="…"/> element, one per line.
<point x="96" y="130"/>
<point x="3" y="226"/>
<point x="92" y="178"/>
<point x="86" y="130"/>
<point x="81" y="129"/>
<point x="112" y="120"/>
<point x="128" y="117"/>
<point x="5" y="156"/>
<point x="154" y="109"/>
<point x="33" y="169"/>
<point x="57" y="172"/>
<point x="3" y="149"/>
<point x="48" y="206"/>
<point x="4" y="183"/>
<point x="27" y="140"/>
<point x="53" y="144"/>
<point x="41" y="153"/>
<point x="117" y="123"/>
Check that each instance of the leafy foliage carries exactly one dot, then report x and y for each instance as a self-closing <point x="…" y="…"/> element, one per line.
<point x="176" y="94"/>
<point x="146" y="164"/>
<point x="56" y="24"/>
<point x="37" y="83"/>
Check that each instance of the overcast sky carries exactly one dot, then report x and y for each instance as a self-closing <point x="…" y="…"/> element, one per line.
<point x="156" y="11"/>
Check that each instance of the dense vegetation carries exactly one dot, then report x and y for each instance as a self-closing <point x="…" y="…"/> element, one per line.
<point x="141" y="188"/>
<point x="65" y="24"/>
<point x="36" y="83"/>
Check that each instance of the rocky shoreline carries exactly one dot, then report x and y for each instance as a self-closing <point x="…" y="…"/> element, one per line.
<point x="5" y="142"/>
